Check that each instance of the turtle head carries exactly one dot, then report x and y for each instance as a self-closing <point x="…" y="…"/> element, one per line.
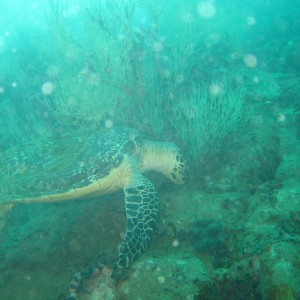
<point x="165" y="158"/>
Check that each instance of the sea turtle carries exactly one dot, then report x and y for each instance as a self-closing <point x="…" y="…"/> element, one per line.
<point x="92" y="164"/>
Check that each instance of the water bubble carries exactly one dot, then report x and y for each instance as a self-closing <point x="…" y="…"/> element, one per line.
<point x="161" y="279"/>
<point x="281" y="118"/>
<point x="150" y="265"/>
<point x="179" y="78"/>
<point x="14" y="84"/>
<point x="108" y="123"/>
<point x="206" y="9"/>
<point x="166" y="74"/>
<point x="81" y="164"/>
<point x="215" y="89"/>
<point x="2" y="89"/>
<point x="175" y="243"/>
<point x="250" y="60"/>
<point x="171" y="96"/>
<point x="154" y="26"/>
<point x="121" y="37"/>
<point x="158" y="46"/>
<point x="251" y="21"/>
<point x="48" y="88"/>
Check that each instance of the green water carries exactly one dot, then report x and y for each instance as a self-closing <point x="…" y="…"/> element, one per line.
<point x="220" y="79"/>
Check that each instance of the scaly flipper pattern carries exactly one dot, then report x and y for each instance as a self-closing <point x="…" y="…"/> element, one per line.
<point x="142" y="204"/>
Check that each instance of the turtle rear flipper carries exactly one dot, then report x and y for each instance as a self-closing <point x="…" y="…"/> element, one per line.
<point x="142" y="203"/>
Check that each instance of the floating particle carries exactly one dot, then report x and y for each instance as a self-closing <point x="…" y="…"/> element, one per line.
<point x="48" y="88"/>
<point x="281" y="118"/>
<point x="175" y="243"/>
<point x="81" y="164"/>
<point x="206" y="9"/>
<point x="161" y="279"/>
<point x="166" y="74"/>
<point x="158" y="46"/>
<point x="251" y="21"/>
<point x="108" y="123"/>
<point x="215" y="89"/>
<point x="250" y="60"/>
<point x="179" y="78"/>
<point x="171" y="96"/>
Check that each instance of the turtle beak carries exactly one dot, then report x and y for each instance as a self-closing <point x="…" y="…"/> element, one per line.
<point x="184" y="174"/>
<point x="180" y="169"/>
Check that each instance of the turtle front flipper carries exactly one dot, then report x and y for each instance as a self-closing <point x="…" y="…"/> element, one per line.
<point x="142" y="203"/>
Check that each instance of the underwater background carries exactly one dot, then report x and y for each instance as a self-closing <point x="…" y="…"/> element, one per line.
<point x="219" y="78"/>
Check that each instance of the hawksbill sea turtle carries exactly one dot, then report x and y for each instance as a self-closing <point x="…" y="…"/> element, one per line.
<point x="92" y="164"/>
